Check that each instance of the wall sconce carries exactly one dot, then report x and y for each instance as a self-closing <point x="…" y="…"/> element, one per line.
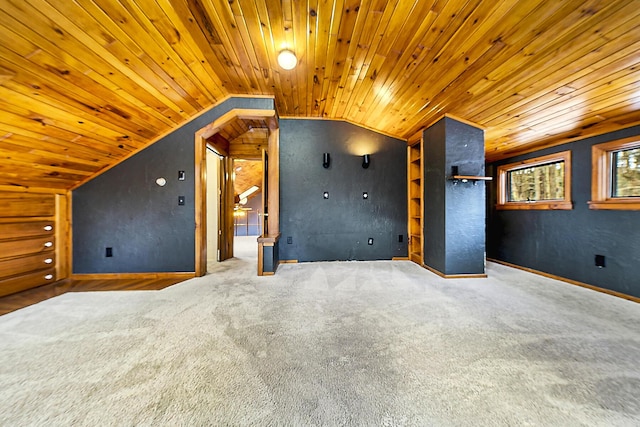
<point x="287" y="59"/>
<point x="365" y="161"/>
<point x="326" y="160"/>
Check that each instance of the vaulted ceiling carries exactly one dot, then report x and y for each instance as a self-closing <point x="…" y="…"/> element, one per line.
<point x="84" y="83"/>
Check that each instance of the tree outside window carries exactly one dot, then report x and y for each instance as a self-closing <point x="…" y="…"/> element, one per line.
<point x="615" y="181"/>
<point x="626" y="173"/>
<point x="537" y="183"/>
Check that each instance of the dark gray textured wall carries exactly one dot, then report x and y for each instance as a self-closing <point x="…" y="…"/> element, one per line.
<point x="564" y="243"/>
<point x="338" y="228"/>
<point x="454" y="214"/>
<point x="434" y="222"/>
<point x="124" y="209"/>
<point x="465" y="206"/>
<point x="270" y="258"/>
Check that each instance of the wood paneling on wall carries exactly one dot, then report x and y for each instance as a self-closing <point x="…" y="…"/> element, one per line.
<point x="29" y="249"/>
<point x="86" y="83"/>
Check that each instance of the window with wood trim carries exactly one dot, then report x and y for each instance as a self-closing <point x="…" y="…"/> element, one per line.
<point x="615" y="179"/>
<point x="538" y="183"/>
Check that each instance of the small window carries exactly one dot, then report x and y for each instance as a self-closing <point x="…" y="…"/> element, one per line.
<point x="538" y="183"/>
<point x="615" y="182"/>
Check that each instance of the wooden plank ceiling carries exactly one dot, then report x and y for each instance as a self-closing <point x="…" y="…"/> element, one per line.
<point x="84" y="83"/>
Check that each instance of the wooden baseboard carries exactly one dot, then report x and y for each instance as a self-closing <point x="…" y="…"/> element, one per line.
<point x="570" y="281"/>
<point x="400" y="258"/>
<point x="139" y="276"/>
<point x="455" y="276"/>
<point x="288" y="261"/>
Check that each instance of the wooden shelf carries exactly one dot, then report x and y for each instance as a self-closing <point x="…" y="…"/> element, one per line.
<point x="469" y="178"/>
<point x="415" y="204"/>
<point x="464" y="178"/>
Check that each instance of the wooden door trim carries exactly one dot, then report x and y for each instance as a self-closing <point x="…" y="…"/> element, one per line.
<point x="200" y="138"/>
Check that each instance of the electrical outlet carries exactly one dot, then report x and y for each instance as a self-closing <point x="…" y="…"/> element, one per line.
<point x="180" y="200"/>
<point x="181" y="175"/>
<point x="289" y="240"/>
<point x="370" y="241"/>
<point x="600" y="261"/>
<point x="400" y="238"/>
<point x="108" y="252"/>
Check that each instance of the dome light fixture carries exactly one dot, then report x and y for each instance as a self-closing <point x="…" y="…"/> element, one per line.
<point x="287" y="59"/>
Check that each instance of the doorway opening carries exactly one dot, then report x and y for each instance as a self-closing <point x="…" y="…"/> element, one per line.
<point x="233" y="194"/>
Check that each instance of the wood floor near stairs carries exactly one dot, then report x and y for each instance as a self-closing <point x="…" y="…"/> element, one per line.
<point x="20" y="300"/>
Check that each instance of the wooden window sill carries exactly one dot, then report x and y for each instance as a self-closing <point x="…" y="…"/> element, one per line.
<point x="542" y="206"/>
<point x="626" y="205"/>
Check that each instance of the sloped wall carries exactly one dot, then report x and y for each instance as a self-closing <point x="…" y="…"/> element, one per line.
<point x="125" y="210"/>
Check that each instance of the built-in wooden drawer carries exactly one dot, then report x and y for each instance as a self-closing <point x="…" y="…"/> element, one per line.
<point x="26" y="229"/>
<point x="27" y="205"/>
<point x="27" y="281"/>
<point x="27" y="241"/>
<point x="23" y="265"/>
<point x="16" y="248"/>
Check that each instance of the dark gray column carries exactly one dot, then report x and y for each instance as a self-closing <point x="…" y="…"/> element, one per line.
<point x="454" y="212"/>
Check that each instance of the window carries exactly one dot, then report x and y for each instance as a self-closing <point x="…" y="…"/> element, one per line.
<point x="538" y="183"/>
<point x="615" y="181"/>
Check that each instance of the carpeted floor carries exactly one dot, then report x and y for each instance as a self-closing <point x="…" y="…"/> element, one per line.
<point x="334" y="343"/>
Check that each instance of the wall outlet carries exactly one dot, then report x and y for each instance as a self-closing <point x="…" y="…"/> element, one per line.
<point x="180" y="200"/>
<point x="400" y="238"/>
<point x="181" y="176"/>
<point x="600" y="261"/>
<point x="289" y="240"/>
<point x="108" y="252"/>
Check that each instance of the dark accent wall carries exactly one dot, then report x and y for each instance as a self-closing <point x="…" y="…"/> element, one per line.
<point x="338" y="228"/>
<point x="564" y="243"/>
<point x="454" y="213"/>
<point x="125" y="210"/>
<point x="270" y="258"/>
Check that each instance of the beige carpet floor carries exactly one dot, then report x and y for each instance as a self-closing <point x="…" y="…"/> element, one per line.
<point x="334" y="343"/>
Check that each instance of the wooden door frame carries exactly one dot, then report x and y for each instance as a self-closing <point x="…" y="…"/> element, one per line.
<point x="200" y="138"/>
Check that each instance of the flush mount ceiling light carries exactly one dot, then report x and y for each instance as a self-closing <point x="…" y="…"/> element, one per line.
<point x="287" y="59"/>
